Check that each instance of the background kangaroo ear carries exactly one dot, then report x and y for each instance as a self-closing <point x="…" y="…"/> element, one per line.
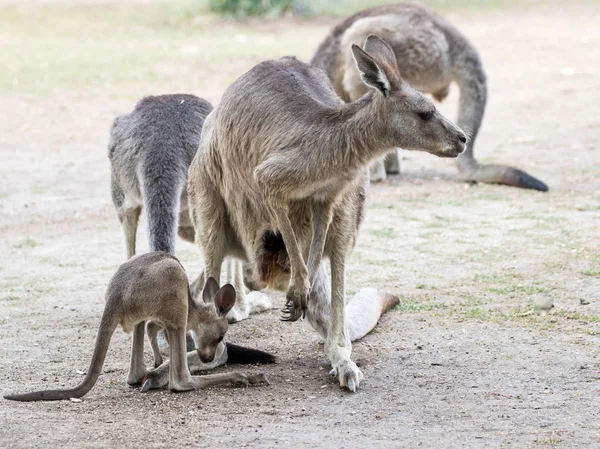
<point x="225" y="299"/>
<point x="210" y="290"/>
<point x="377" y="65"/>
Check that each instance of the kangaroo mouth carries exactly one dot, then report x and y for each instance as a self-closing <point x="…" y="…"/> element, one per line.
<point x="272" y="257"/>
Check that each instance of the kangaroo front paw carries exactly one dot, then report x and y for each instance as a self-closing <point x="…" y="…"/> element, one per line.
<point x="295" y="304"/>
<point x="239" y="380"/>
<point x="255" y="379"/>
<point x="348" y="374"/>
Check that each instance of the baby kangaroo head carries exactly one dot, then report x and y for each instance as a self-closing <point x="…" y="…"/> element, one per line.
<point x="409" y="119"/>
<point x="211" y="322"/>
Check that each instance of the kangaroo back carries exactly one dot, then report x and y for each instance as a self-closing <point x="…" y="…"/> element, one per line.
<point x="150" y="151"/>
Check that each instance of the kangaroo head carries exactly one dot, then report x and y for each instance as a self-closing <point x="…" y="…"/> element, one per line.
<point x="210" y="323"/>
<point x="409" y="119"/>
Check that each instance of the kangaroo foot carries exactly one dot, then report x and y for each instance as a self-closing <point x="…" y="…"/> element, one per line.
<point x="349" y="375"/>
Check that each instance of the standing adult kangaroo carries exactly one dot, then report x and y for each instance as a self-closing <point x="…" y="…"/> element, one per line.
<point x="431" y="54"/>
<point x="283" y="155"/>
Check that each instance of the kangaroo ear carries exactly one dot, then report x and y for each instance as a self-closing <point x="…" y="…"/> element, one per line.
<point x="225" y="299"/>
<point x="210" y="290"/>
<point x="377" y="65"/>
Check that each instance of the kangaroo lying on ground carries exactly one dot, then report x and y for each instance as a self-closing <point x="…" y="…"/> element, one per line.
<point x="281" y="172"/>
<point x="154" y="286"/>
<point x="431" y="54"/>
<point x="150" y="150"/>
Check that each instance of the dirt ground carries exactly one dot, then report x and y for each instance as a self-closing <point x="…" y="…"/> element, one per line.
<point x="458" y="365"/>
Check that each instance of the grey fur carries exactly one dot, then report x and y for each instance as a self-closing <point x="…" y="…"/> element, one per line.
<point x="154" y="286"/>
<point x="431" y="54"/>
<point x="282" y="153"/>
<point x="150" y="150"/>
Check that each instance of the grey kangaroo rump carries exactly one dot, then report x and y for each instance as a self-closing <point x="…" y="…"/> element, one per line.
<point x="150" y="150"/>
<point x="431" y="54"/>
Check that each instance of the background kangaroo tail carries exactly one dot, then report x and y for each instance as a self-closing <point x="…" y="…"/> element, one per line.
<point x="162" y="197"/>
<point x="472" y="82"/>
<point x="364" y="310"/>
<point x="246" y="356"/>
<point x="500" y="174"/>
<point x="107" y="327"/>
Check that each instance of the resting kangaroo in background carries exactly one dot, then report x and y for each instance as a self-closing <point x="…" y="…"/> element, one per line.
<point x="283" y="154"/>
<point x="431" y="54"/>
<point x="154" y="286"/>
<point x="150" y="150"/>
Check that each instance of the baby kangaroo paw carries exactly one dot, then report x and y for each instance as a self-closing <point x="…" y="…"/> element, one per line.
<point x="239" y="380"/>
<point x="255" y="379"/>
<point x="349" y="375"/>
<point x="295" y="304"/>
<point x="155" y="379"/>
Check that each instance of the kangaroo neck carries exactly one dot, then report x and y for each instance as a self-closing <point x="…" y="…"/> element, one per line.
<point x="354" y="134"/>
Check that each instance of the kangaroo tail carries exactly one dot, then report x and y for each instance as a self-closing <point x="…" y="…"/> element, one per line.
<point x="364" y="310"/>
<point x="162" y="196"/>
<point x="247" y="356"/>
<point x="501" y="174"/>
<point x="107" y="327"/>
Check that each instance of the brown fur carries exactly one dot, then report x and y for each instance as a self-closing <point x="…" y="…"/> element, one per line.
<point x="282" y="153"/>
<point x="154" y="286"/>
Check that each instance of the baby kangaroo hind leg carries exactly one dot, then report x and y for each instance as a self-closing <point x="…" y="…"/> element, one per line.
<point x="180" y="378"/>
<point x="137" y="367"/>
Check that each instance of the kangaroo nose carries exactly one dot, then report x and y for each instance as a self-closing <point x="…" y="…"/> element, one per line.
<point x="462" y="138"/>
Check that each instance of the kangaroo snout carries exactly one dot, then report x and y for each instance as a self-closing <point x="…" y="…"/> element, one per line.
<point x="457" y="145"/>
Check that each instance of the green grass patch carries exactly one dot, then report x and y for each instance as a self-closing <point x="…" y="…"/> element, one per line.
<point x="26" y="243"/>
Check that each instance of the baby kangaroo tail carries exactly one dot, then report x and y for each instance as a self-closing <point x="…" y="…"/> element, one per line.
<point x="364" y="310"/>
<point x="107" y="327"/>
<point x="162" y="197"/>
<point x="502" y="174"/>
<point x="247" y="356"/>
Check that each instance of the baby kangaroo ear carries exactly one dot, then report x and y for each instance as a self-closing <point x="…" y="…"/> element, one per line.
<point x="210" y="290"/>
<point x="377" y="65"/>
<point x="225" y="299"/>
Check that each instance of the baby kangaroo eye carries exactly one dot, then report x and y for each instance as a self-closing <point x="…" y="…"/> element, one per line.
<point x="427" y="115"/>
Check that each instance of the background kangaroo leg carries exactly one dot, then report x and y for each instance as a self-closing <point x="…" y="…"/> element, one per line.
<point x="129" y="222"/>
<point x="321" y="215"/>
<point x="137" y="367"/>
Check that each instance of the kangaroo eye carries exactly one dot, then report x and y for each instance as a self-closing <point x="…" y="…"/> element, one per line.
<point x="426" y="115"/>
<point x="221" y="338"/>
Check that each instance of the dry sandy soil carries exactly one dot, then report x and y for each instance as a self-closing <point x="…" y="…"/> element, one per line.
<point x="457" y="365"/>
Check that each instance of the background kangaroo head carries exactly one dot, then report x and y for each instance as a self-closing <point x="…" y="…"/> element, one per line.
<point x="210" y="323"/>
<point x="410" y="119"/>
